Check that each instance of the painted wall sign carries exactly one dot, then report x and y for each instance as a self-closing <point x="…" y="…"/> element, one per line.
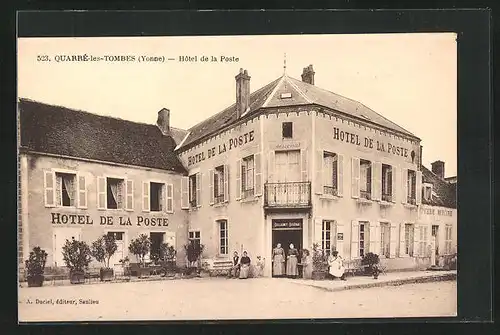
<point x="438" y="212"/>
<point x="367" y="142"/>
<point x="232" y="143"/>
<point x="140" y="221"/>
<point x="287" y="225"/>
<point x="287" y="146"/>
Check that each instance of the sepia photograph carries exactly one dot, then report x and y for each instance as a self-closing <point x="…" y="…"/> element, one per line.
<point x="251" y="177"/>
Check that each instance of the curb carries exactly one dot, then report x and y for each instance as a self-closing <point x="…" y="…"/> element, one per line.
<point x="395" y="282"/>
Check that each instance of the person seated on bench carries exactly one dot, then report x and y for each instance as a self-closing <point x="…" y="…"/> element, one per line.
<point x="336" y="265"/>
<point x="235" y="270"/>
<point x="245" y="266"/>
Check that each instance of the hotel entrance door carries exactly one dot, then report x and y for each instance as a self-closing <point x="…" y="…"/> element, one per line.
<point x="287" y="232"/>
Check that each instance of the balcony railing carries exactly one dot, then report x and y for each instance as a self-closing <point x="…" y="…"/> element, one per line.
<point x="330" y="190"/>
<point x="289" y="194"/>
<point x="365" y="195"/>
<point x="386" y="197"/>
<point x="412" y="201"/>
<point x="219" y="198"/>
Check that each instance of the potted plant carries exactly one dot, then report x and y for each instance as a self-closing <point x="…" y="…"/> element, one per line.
<point x="370" y="262"/>
<point x="167" y="259"/>
<point x="125" y="263"/>
<point x="193" y="252"/>
<point x="320" y="264"/>
<point x="140" y="247"/>
<point x="103" y="249"/>
<point x="77" y="256"/>
<point x="35" y="267"/>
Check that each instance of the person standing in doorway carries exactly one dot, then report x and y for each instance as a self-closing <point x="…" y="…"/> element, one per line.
<point x="336" y="264"/>
<point x="292" y="260"/>
<point x="278" y="261"/>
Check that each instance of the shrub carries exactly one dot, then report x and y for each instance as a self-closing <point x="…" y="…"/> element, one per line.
<point x="104" y="248"/>
<point x="319" y="259"/>
<point x="76" y="255"/>
<point x="140" y="247"/>
<point x="193" y="251"/>
<point x="371" y="260"/>
<point x="35" y="265"/>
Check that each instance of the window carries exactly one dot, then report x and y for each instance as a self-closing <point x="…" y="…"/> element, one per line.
<point x="157" y="194"/>
<point x="117" y="235"/>
<point x="195" y="190"/>
<point x="219" y="184"/>
<point x="364" y="238"/>
<point x="65" y="189"/>
<point x="365" y="179"/>
<point x="412" y="181"/>
<point x="386" y="182"/>
<point x="247" y="176"/>
<point x="114" y="193"/>
<point x="422" y="248"/>
<point x="447" y="241"/>
<point x="195" y="237"/>
<point x="223" y="237"/>
<point x="385" y="239"/>
<point x="328" y="236"/>
<point x="287" y="128"/>
<point x="427" y="192"/>
<point x="435" y="232"/>
<point x="409" y="231"/>
<point x="330" y="176"/>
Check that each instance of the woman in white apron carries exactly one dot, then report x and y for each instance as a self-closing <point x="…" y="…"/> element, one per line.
<point x="336" y="265"/>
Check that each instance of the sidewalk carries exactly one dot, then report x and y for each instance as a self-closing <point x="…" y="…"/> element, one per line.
<point x="387" y="279"/>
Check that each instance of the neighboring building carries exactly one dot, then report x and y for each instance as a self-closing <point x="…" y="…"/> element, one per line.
<point x="84" y="175"/>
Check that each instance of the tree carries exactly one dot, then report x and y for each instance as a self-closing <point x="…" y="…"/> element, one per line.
<point x="104" y="248"/>
<point x="140" y="247"/>
<point x="76" y="255"/>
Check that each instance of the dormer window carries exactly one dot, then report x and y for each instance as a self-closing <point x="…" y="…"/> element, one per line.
<point x="286" y="95"/>
<point x="427" y="190"/>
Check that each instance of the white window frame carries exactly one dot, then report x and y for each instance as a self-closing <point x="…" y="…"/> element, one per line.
<point x="124" y="195"/>
<point x="367" y="193"/>
<point x="219" y="230"/>
<point x="425" y="187"/>
<point x="409" y="246"/>
<point x="55" y="171"/>
<point x="366" y="237"/>
<point x="221" y="173"/>
<point x="245" y="190"/>
<point x="194" y="233"/>
<point x="387" y="226"/>
<point x="198" y="177"/>
<point x="162" y="200"/>
<point x="409" y="194"/>
<point x="333" y="234"/>
<point x="391" y="184"/>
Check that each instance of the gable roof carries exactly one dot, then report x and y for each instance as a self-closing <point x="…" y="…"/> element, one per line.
<point x="445" y="192"/>
<point x="63" y="131"/>
<point x="302" y="93"/>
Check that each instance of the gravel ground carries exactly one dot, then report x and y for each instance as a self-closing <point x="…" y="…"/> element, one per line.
<point x="218" y="298"/>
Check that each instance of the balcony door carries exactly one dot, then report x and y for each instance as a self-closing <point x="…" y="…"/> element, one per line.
<point x="287" y="171"/>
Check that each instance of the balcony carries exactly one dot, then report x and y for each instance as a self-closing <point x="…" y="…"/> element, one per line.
<point x="289" y="195"/>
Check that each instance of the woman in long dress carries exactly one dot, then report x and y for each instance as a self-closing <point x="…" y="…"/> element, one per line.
<point x="336" y="265"/>
<point x="278" y="261"/>
<point x="245" y="266"/>
<point x="292" y="260"/>
<point x="307" y="265"/>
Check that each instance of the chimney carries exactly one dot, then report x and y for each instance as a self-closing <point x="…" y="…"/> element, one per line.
<point x="163" y="121"/>
<point x="438" y="168"/>
<point x="242" y="92"/>
<point x="308" y="75"/>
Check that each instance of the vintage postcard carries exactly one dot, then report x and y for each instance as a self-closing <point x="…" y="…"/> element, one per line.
<point x="237" y="177"/>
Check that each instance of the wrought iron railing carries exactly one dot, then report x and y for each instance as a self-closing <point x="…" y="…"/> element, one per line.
<point x="247" y="193"/>
<point x="219" y="198"/>
<point x="387" y="197"/>
<point x="330" y="190"/>
<point x="412" y="201"/>
<point x="365" y="195"/>
<point x="288" y="194"/>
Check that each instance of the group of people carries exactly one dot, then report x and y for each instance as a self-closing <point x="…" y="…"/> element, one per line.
<point x="287" y="265"/>
<point x="241" y="266"/>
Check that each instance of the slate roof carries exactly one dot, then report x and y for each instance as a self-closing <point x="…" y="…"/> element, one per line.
<point x="63" y="131"/>
<point x="302" y="93"/>
<point x="445" y="193"/>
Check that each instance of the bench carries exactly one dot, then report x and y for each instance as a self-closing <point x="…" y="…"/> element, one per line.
<point x="220" y="267"/>
<point x="354" y="267"/>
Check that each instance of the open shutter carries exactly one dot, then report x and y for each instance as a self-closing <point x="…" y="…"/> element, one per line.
<point x="198" y="189"/>
<point x="170" y="198"/>
<point x="211" y="177"/>
<point x="303" y="164"/>
<point x="418" y="186"/>
<point x="145" y="197"/>
<point x="318" y="229"/>
<point x="416" y="240"/>
<point x="404" y="186"/>
<point x="226" y="183"/>
<point x="394" y="183"/>
<point x="238" y="179"/>
<point x="340" y="175"/>
<point x="258" y="173"/>
<point x="377" y="181"/>
<point x="101" y="193"/>
<point x="393" y="235"/>
<point x="319" y="172"/>
<point x="402" y="251"/>
<point x="129" y="191"/>
<point x="271" y="166"/>
<point x="373" y="238"/>
<point x="82" y="192"/>
<point x="184" y="192"/>
<point x="49" y="188"/>
<point x="354" y="239"/>
<point x="355" y="177"/>
<point x="340" y="241"/>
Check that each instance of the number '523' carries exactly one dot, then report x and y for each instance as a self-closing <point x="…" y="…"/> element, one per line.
<point x="42" y="58"/>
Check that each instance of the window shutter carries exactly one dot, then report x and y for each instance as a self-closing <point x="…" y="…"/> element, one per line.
<point x="258" y="174"/>
<point x="101" y="193"/>
<point x="303" y="162"/>
<point x="355" y="177"/>
<point x="416" y="240"/>
<point x="170" y="239"/>
<point x="82" y="191"/>
<point x="340" y="243"/>
<point x="145" y="196"/>
<point x="340" y="175"/>
<point x="49" y="188"/>
<point x="402" y="251"/>
<point x="226" y="183"/>
<point x="394" y="182"/>
<point x="319" y="172"/>
<point x="318" y="229"/>
<point x="418" y="187"/>
<point x="129" y="190"/>
<point x="198" y="189"/>
<point x="373" y="238"/>
<point x="404" y="186"/>
<point x="184" y="192"/>
<point x="377" y="181"/>
<point x="271" y="166"/>
<point x="238" y="179"/>
<point x="211" y="188"/>
<point x="354" y="239"/>
<point x="170" y="198"/>
<point x="393" y="238"/>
